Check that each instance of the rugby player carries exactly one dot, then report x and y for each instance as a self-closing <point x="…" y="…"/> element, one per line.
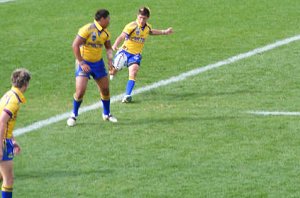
<point x="9" y="107"/>
<point x="87" y="48"/>
<point x="134" y="36"/>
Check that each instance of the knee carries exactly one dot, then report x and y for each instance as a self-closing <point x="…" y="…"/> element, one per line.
<point x="133" y="73"/>
<point x="133" y="70"/>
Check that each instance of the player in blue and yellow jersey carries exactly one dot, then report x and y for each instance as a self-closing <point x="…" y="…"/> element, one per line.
<point x="87" y="48"/>
<point x="134" y="36"/>
<point x="9" y="107"/>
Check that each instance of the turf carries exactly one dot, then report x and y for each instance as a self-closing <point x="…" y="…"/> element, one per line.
<point x="193" y="138"/>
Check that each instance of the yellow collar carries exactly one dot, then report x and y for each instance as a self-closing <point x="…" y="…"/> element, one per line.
<point x="98" y="26"/>
<point x="19" y="94"/>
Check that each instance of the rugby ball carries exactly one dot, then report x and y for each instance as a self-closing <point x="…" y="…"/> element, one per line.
<point x="120" y="61"/>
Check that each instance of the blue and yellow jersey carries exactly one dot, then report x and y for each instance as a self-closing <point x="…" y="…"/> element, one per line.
<point x="135" y="37"/>
<point x="95" y="37"/>
<point x="10" y="103"/>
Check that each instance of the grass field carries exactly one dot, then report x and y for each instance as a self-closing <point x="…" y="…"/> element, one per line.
<point x="193" y="138"/>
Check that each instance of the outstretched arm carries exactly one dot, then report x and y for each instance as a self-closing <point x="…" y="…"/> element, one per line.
<point x="162" y="32"/>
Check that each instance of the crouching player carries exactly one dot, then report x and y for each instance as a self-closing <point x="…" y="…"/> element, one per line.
<point x="9" y="107"/>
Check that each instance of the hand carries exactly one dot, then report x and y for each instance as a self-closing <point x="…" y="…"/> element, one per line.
<point x="85" y="67"/>
<point x="114" y="47"/>
<point x="169" y="30"/>
<point x="17" y="149"/>
<point x="112" y="71"/>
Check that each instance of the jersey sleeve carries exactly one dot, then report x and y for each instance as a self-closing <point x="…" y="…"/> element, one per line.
<point x="84" y="32"/>
<point x="12" y="108"/>
<point x="129" y="28"/>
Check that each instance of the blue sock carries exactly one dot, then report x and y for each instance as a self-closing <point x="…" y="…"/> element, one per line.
<point x="106" y="106"/>
<point x="129" y="87"/>
<point x="7" y="192"/>
<point x="76" y="105"/>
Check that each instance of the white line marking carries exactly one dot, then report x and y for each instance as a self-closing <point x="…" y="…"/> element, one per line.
<point x="183" y="76"/>
<point x="5" y="1"/>
<point x="274" y="113"/>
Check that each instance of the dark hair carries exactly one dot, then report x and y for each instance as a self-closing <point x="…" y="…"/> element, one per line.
<point x="20" y="77"/>
<point x="145" y="11"/>
<point x="102" y="13"/>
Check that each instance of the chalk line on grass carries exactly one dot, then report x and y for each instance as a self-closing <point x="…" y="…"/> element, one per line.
<point x="274" y="113"/>
<point x="183" y="76"/>
<point x="5" y="1"/>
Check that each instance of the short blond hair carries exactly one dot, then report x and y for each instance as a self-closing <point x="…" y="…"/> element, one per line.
<point x="20" y="77"/>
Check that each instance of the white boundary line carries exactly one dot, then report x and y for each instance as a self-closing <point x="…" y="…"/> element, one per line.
<point x="274" y="113"/>
<point x="5" y="1"/>
<point x="183" y="76"/>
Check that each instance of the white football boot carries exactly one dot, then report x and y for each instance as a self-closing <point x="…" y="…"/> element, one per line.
<point x="127" y="99"/>
<point x="109" y="118"/>
<point x="71" y="120"/>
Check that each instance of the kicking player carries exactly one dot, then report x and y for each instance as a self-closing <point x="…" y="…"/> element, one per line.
<point x="9" y="107"/>
<point x="134" y="36"/>
<point x="87" y="48"/>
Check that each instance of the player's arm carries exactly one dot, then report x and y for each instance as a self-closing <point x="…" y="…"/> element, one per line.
<point x="4" y="118"/>
<point x="161" y="32"/>
<point x="109" y="53"/>
<point x="118" y="41"/>
<point x="17" y="148"/>
<point x="78" y="41"/>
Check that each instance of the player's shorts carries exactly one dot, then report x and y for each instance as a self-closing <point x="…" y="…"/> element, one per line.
<point x="8" y="150"/>
<point x="131" y="58"/>
<point x="97" y="70"/>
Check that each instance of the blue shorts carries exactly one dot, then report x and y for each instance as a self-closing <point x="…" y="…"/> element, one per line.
<point x="8" y="150"/>
<point x="97" y="70"/>
<point x="131" y="58"/>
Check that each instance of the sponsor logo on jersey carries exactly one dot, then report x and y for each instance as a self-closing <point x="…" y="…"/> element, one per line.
<point x="94" y="36"/>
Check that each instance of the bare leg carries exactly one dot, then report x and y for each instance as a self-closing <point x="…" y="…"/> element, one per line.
<point x="6" y="170"/>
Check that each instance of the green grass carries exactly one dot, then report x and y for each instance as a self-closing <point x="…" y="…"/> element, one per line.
<point x="189" y="139"/>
